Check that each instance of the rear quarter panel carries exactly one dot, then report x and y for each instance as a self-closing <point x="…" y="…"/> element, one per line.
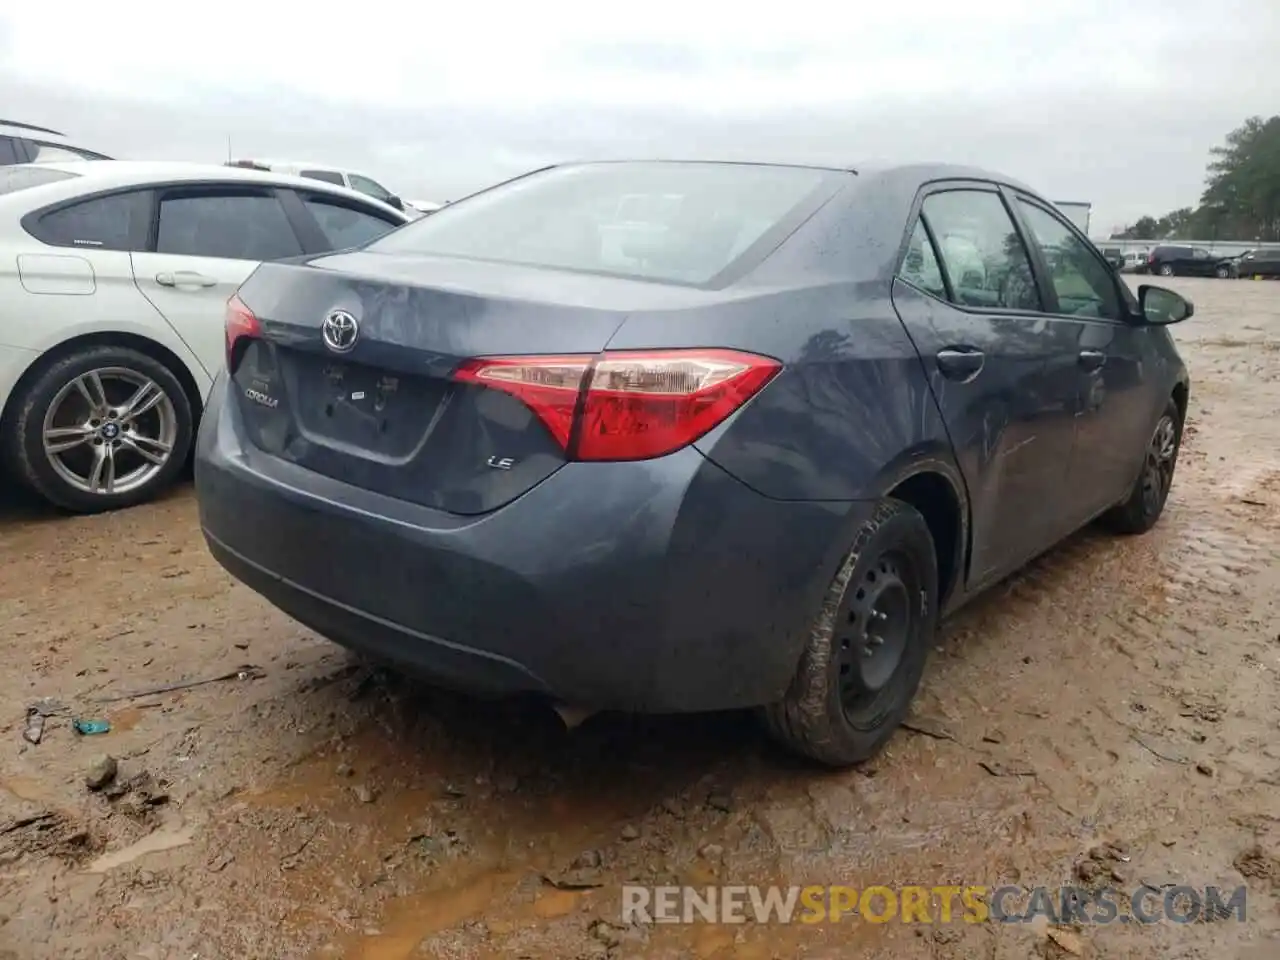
<point x="851" y="413"/>
<point x="98" y="297"/>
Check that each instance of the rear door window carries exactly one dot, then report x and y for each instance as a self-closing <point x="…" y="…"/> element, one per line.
<point x="227" y="223"/>
<point x="984" y="256"/>
<point x="8" y="151"/>
<point x="344" y="224"/>
<point x="103" y="223"/>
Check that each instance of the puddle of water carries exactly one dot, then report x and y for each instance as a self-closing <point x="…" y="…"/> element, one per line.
<point x="168" y="837"/>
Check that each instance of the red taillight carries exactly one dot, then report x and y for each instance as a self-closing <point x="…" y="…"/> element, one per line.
<point x="1151" y="258"/>
<point x="241" y="323"/>
<point x="627" y="405"/>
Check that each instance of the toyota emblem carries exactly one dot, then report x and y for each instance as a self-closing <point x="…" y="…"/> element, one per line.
<point x="340" y="331"/>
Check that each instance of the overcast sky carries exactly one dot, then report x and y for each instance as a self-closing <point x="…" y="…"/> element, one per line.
<point x="1113" y="102"/>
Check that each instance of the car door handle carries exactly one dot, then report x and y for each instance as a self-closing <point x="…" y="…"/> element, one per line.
<point x="961" y="363"/>
<point x="1092" y="359"/>
<point x="184" y="278"/>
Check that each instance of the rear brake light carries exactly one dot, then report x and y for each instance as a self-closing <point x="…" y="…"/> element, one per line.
<point x="1151" y="258"/>
<point x="241" y="324"/>
<point x="627" y="405"/>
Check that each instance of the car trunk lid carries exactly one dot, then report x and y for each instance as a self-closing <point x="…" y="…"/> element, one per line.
<point x="374" y="402"/>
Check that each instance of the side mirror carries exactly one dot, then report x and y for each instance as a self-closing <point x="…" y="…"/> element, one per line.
<point x="1162" y="306"/>
<point x="394" y="202"/>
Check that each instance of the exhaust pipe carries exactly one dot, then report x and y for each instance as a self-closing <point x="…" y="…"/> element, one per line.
<point x="572" y="716"/>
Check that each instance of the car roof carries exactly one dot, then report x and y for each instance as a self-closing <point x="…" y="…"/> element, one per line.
<point x="923" y="171"/>
<point x="108" y="174"/>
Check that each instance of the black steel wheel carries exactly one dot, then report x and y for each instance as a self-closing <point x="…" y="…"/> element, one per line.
<point x="868" y="646"/>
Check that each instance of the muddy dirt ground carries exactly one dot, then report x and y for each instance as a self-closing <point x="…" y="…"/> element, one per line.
<point x="1118" y="691"/>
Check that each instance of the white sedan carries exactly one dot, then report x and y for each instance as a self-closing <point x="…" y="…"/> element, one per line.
<point x="114" y="278"/>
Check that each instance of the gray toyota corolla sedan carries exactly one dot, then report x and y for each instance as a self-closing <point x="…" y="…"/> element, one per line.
<point x="680" y="436"/>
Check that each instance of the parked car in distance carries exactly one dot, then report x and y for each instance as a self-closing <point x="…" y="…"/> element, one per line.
<point x="1177" y="260"/>
<point x="27" y="143"/>
<point x="1135" y="261"/>
<point x="114" y="279"/>
<point x="1259" y="264"/>
<point x="1114" y="256"/>
<point x="319" y="171"/>
<point x="744" y="460"/>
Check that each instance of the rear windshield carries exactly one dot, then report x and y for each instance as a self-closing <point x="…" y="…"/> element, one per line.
<point x="23" y="175"/>
<point x="673" y="222"/>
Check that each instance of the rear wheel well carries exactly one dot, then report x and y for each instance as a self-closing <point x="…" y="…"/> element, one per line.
<point x="132" y="341"/>
<point x="935" y="498"/>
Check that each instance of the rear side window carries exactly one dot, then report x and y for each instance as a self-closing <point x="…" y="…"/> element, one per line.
<point x="104" y="223"/>
<point x="328" y="176"/>
<point x="986" y="262"/>
<point x="226" y="224"/>
<point x="697" y="219"/>
<point x="21" y="176"/>
<point x="343" y="225"/>
<point x="8" y="151"/>
<point x="920" y="265"/>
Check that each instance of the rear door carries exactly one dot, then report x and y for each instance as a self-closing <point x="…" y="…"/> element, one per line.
<point x="206" y="240"/>
<point x="1003" y="373"/>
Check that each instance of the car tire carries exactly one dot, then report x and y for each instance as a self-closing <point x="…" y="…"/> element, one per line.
<point x="89" y="443"/>
<point x="889" y="576"/>
<point x="1165" y="270"/>
<point x="1145" y="502"/>
<point x="1222" y="273"/>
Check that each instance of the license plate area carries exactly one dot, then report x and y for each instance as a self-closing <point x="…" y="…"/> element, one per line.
<point x="355" y="406"/>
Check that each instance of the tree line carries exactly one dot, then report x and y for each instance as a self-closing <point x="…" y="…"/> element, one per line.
<point x="1241" y="199"/>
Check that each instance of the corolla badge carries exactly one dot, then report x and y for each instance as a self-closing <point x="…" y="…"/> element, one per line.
<point x="340" y="331"/>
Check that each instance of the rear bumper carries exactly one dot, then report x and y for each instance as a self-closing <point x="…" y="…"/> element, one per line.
<point x="662" y="586"/>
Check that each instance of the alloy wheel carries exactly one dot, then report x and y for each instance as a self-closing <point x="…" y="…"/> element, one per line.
<point x="109" y="431"/>
<point x="1157" y="476"/>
